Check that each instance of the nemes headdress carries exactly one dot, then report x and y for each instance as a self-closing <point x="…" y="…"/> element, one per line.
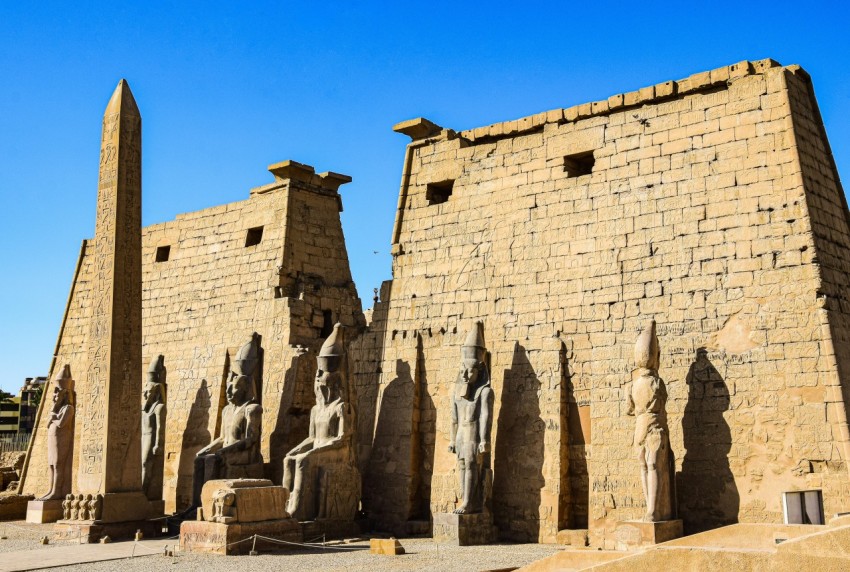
<point x="646" y="348"/>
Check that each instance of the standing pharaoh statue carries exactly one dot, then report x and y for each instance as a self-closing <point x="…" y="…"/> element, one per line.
<point x="472" y="420"/>
<point x="60" y="435"/>
<point x="647" y="402"/>
<point x="320" y="472"/>
<point x="236" y="452"/>
<point x="153" y="429"/>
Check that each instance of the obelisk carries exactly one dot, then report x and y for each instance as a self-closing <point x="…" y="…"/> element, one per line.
<point x="109" y="413"/>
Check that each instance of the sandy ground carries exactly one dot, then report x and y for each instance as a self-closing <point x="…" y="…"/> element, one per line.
<point x="422" y="554"/>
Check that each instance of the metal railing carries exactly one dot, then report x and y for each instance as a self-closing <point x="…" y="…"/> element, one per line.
<point x="14" y="442"/>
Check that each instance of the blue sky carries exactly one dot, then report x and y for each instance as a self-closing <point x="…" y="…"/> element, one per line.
<point x="227" y="88"/>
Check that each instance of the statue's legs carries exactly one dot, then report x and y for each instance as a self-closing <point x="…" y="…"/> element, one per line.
<point x="147" y="465"/>
<point x="207" y="467"/>
<point x="469" y="474"/>
<point x="642" y="459"/>
<point x="288" y="472"/>
<point x="651" y="449"/>
<point x="294" y="469"/>
<point x="53" y="474"/>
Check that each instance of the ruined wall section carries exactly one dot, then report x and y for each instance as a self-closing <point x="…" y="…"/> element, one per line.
<point x="219" y="282"/>
<point x="692" y="213"/>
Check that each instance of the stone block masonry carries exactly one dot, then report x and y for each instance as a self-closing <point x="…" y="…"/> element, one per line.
<point x="710" y="203"/>
<point x="276" y="264"/>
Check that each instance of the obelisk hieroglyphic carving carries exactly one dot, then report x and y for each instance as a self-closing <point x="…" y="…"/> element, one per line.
<point x="110" y="449"/>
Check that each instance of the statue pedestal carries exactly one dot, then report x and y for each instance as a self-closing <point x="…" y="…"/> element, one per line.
<point x="464" y="529"/>
<point x="41" y="511"/>
<point x="632" y="534"/>
<point x="91" y="531"/>
<point x="121" y="515"/>
<point x="226" y="539"/>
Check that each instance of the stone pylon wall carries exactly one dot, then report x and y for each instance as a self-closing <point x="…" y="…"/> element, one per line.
<point x="202" y="304"/>
<point x="712" y="206"/>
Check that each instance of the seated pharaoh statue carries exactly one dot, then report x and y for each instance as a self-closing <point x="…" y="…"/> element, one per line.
<point x="320" y="472"/>
<point x="236" y="452"/>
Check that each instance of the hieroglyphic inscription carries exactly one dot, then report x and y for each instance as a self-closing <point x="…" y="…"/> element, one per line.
<point x="112" y="389"/>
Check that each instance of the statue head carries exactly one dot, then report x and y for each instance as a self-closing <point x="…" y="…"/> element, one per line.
<point x="155" y="384"/>
<point x="248" y="357"/>
<point x="473" y="348"/>
<point x="239" y="390"/>
<point x="329" y="361"/>
<point x="647" y="352"/>
<point x="63" y="387"/>
<point x="473" y="370"/>
<point x="330" y="356"/>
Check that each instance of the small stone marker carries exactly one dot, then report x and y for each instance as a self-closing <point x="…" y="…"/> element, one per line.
<point x="45" y="540"/>
<point x="389" y="546"/>
<point x="105" y="539"/>
<point x="139" y="535"/>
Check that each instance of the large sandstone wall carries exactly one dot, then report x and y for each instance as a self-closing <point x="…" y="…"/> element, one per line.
<point x="202" y="304"/>
<point x="712" y="207"/>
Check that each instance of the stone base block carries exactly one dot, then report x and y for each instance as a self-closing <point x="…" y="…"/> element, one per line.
<point x="92" y="531"/>
<point x="388" y="546"/>
<point x="328" y="529"/>
<point x="573" y="537"/>
<point x="14" y="507"/>
<point x="229" y="501"/>
<point x="119" y="507"/>
<point x="631" y="534"/>
<point x="226" y="539"/>
<point x="465" y="529"/>
<point x="41" y="511"/>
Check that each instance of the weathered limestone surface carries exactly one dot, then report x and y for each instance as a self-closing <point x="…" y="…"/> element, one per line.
<point x="243" y="500"/>
<point x="712" y="206"/>
<point x="321" y="472"/>
<point x="109" y="418"/>
<point x="60" y="436"/>
<point x="228" y="539"/>
<point x="635" y="534"/>
<point x="154" y="411"/>
<point x="200" y="304"/>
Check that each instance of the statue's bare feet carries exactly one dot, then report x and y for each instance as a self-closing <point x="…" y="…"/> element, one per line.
<point x="462" y="509"/>
<point x="649" y="517"/>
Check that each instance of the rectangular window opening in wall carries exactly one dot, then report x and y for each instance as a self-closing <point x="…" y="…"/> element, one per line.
<point x="162" y="253"/>
<point x="438" y="193"/>
<point x="327" y="323"/>
<point x="579" y="164"/>
<point x="254" y="236"/>
<point x="803" y="507"/>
